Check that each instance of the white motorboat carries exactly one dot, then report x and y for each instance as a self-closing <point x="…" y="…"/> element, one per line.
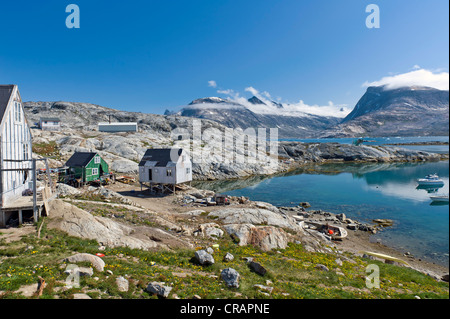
<point x="439" y="198"/>
<point x="430" y="180"/>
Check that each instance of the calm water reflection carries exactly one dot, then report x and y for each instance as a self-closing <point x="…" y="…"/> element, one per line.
<point x="364" y="192"/>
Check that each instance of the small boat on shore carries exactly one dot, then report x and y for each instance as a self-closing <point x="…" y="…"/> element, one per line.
<point x="335" y="232"/>
<point x="430" y="180"/>
<point x="440" y="198"/>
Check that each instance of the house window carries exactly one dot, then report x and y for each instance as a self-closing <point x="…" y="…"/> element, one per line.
<point x="95" y="171"/>
<point x="184" y="158"/>
<point x="169" y="172"/>
<point x="17" y="112"/>
<point x="97" y="160"/>
<point x="25" y="151"/>
<point x="188" y="170"/>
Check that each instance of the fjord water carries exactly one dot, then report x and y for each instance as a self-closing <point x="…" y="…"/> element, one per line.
<point x="365" y="192"/>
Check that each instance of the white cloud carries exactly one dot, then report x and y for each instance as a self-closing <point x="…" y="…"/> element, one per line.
<point x="212" y="84"/>
<point x="418" y="77"/>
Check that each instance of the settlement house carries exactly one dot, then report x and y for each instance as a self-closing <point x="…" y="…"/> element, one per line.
<point x="165" y="168"/>
<point x="118" y="127"/>
<point x="85" y="167"/>
<point x="50" y="123"/>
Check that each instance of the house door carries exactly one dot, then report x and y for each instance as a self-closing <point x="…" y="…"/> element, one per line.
<point x="150" y="177"/>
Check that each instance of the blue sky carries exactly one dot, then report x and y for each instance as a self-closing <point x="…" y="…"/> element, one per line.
<point x="151" y="55"/>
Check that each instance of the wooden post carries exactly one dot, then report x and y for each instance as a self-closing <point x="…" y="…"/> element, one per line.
<point x="33" y="172"/>
<point x="20" y="217"/>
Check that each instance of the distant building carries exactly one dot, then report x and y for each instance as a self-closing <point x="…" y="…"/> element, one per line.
<point x="50" y="123"/>
<point x="118" y="127"/>
<point x="165" y="166"/>
<point x="86" y="167"/>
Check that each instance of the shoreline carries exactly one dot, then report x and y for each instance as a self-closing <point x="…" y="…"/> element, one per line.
<point x="355" y="242"/>
<point x="358" y="241"/>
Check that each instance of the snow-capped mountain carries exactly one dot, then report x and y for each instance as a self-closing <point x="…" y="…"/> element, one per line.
<point x="256" y="113"/>
<point x="407" y="111"/>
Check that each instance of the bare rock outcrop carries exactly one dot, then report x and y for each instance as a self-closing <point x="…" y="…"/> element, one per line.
<point x="79" y="223"/>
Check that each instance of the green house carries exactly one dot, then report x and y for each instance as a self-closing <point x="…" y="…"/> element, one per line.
<point x="86" y="167"/>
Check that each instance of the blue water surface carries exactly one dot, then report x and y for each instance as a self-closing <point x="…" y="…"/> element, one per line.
<point x="364" y="192"/>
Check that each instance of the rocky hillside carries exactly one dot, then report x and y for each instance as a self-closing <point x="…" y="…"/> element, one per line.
<point x="409" y="111"/>
<point x="123" y="151"/>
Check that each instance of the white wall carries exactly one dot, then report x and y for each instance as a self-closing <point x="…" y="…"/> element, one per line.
<point x="118" y="127"/>
<point x="14" y="135"/>
<point x="159" y="174"/>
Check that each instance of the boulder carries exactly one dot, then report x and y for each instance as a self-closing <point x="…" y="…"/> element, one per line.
<point x="122" y="284"/>
<point x="228" y="257"/>
<point x="96" y="261"/>
<point x="81" y="271"/>
<point x="305" y="204"/>
<point x="204" y="258"/>
<point x="231" y="277"/>
<point x="81" y="296"/>
<point x="267" y="289"/>
<point x="211" y="230"/>
<point x="264" y="237"/>
<point x="66" y="190"/>
<point x="159" y="289"/>
<point x="322" y="267"/>
<point x="257" y="267"/>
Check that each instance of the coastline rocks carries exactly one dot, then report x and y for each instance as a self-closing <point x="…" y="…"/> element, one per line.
<point x="384" y="222"/>
<point x="322" y="152"/>
<point x="255" y="216"/>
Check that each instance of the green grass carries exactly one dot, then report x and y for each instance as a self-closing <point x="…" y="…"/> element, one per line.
<point x="292" y="272"/>
<point x="49" y="149"/>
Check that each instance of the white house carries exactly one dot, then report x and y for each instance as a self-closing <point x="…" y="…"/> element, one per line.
<point x="15" y="147"/>
<point x="169" y="166"/>
<point x="118" y="127"/>
<point x="50" y="123"/>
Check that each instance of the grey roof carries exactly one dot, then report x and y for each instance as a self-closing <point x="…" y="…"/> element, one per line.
<point x="80" y="159"/>
<point x="51" y="119"/>
<point x="160" y="155"/>
<point x="5" y="94"/>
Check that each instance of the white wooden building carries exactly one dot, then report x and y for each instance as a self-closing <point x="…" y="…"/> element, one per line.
<point x="50" y="123"/>
<point x="118" y="127"/>
<point x="15" y="148"/>
<point x="169" y="166"/>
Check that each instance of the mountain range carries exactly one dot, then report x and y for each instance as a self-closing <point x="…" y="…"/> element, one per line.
<point x="407" y="111"/>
